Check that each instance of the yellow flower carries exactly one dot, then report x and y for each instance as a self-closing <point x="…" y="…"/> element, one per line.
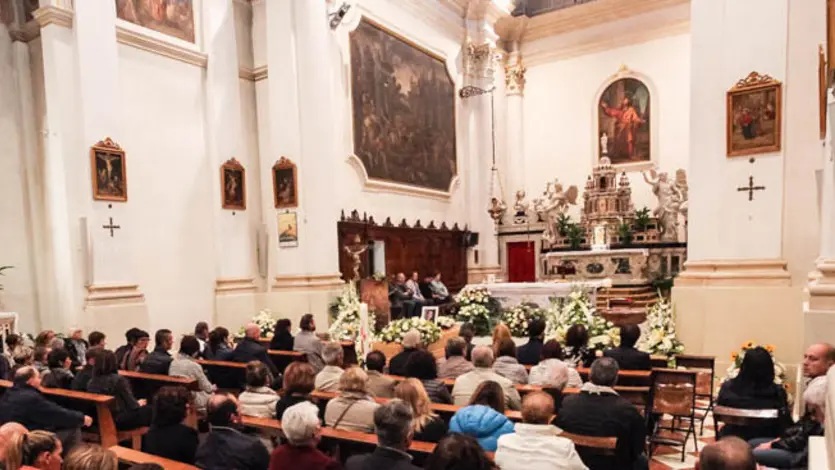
<point x="734" y="356"/>
<point x="770" y="348"/>
<point x="786" y="386"/>
<point x="748" y="345"/>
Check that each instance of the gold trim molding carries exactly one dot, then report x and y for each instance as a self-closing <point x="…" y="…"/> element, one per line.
<point x="734" y="273"/>
<point x="302" y="282"/>
<point x="113" y="294"/>
<point x="240" y="285"/>
<point x="52" y="14"/>
<point x="145" y="42"/>
<point x="253" y="75"/>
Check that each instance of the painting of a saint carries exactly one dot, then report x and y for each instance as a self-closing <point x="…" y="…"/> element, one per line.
<point x="624" y="118"/>
<point x="403" y="110"/>
<point x="285" y="184"/>
<point x="754" y="116"/>
<point x="109" y="172"/>
<point x="171" y="17"/>
<point x="233" y="185"/>
<point x="288" y="230"/>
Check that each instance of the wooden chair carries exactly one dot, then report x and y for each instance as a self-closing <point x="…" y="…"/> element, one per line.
<point x="673" y="393"/>
<point x="741" y="417"/>
<point x="705" y="367"/>
<point x="135" y="457"/>
<point x="98" y="406"/>
<point x="599" y="450"/>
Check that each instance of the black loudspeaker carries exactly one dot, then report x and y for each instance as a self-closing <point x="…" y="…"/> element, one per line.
<point x="470" y="239"/>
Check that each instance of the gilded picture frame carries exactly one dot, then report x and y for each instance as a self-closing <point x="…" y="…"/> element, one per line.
<point x="285" y="184"/>
<point x="754" y="116"/>
<point x="233" y="185"/>
<point x="108" y="169"/>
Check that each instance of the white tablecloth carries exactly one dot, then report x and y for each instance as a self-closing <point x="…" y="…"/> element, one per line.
<point x="514" y="293"/>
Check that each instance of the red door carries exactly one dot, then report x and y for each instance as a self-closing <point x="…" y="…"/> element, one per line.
<point x="521" y="262"/>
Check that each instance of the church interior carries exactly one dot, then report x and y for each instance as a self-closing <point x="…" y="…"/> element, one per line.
<point x="665" y="164"/>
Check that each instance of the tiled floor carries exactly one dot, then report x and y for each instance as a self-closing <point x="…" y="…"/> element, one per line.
<point x="665" y="458"/>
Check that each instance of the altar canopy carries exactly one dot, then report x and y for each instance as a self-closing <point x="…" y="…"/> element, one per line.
<point x="540" y="293"/>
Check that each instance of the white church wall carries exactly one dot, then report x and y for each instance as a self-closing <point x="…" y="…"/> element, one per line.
<point x="16" y="214"/>
<point x="384" y="204"/>
<point x="560" y="110"/>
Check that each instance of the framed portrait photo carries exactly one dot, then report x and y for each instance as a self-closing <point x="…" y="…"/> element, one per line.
<point x="285" y="184"/>
<point x="288" y="230"/>
<point x="109" y="171"/>
<point x="754" y="116"/>
<point x="430" y="314"/>
<point x="233" y="185"/>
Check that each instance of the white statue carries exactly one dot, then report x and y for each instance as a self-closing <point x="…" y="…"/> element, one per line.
<point x="521" y="207"/>
<point x="556" y="202"/>
<point x="496" y="210"/>
<point x="604" y="144"/>
<point x="669" y="203"/>
<point x="681" y="185"/>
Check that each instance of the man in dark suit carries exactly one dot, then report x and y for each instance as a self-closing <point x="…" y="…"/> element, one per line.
<point x="626" y="355"/>
<point x="393" y="423"/>
<point x="598" y="411"/>
<point x="159" y="361"/>
<point x="225" y="446"/>
<point x="529" y="354"/>
<point x="403" y="298"/>
<point x="249" y="349"/>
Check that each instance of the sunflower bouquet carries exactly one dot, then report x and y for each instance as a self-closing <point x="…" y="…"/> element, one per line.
<point x="780" y="377"/>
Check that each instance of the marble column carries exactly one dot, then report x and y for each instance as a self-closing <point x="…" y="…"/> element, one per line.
<point x="514" y="91"/>
<point x="480" y="66"/>
<point x="235" y="239"/>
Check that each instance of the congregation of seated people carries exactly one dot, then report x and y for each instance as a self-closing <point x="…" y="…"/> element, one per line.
<point x="396" y="399"/>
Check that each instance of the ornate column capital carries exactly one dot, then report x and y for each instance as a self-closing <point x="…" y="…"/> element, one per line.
<point x="514" y="77"/>
<point x="480" y="60"/>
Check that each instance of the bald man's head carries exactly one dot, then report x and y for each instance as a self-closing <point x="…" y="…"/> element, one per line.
<point x="252" y="331"/>
<point x="730" y="453"/>
<point x="8" y="432"/>
<point x="818" y="359"/>
<point x="222" y="410"/>
<point x="537" y="408"/>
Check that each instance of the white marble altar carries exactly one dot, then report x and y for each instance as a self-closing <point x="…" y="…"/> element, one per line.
<point x="541" y="293"/>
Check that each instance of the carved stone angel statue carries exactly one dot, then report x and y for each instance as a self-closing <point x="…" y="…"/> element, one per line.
<point x="681" y="185"/>
<point x="496" y="210"/>
<point x="521" y="207"/>
<point x="669" y="203"/>
<point x="556" y="202"/>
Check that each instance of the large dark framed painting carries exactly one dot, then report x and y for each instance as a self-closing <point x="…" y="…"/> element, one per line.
<point x="285" y="184"/>
<point x="171" y="17"/>
<point x="109" y="171"/>
<point x="233" y="185"/>
<point x="624" y="117"/>
<point x="754" y="116"/>
<point x="403" y="110"/>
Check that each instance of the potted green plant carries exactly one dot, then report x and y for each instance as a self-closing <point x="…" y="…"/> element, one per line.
<point x="642" y="220"/>
<point x="563" y="222"/>
<point x="625" y="233"/>
<point x="574" y="233"/>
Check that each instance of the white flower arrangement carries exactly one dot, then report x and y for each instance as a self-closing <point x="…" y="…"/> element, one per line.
<point x="394" y="332"/>
<point x="446" y="322"/>
<point x="476" y="305"/>
<point x="346" y="326"/>
<point x="519" y="317"/>
<point x="473" y="295"/>
<point x="474" y="313"/>
<point x="660" y="335"/>
<point x="578" y="309"/>
<point x="265" y="321"/>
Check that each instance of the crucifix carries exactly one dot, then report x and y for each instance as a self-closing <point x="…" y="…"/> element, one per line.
<point x="751" y="188"/>
<point x="111" y="227"/>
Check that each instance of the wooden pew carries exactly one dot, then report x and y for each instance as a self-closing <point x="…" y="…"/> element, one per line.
<point x="146" y="385"/>
<point x="135" y="457"/>
<point x="227" y="375"/>
<point x="85" y="402"/>
<point x="282" y="359"/>
<point x="625" y="377"/>
<point x="440" y="408"/>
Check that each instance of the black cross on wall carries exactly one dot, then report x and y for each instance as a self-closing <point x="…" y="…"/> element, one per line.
<point x="111" y="227"/>
<point x="751" y="188"/>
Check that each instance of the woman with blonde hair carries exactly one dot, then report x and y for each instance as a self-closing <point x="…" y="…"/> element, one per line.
<point x="353" y="409"/>
<point x="500" y="332"/>
<point x="91" y="457"/>
<point x="36" y="450"/>
<point x="427" y="426"/>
